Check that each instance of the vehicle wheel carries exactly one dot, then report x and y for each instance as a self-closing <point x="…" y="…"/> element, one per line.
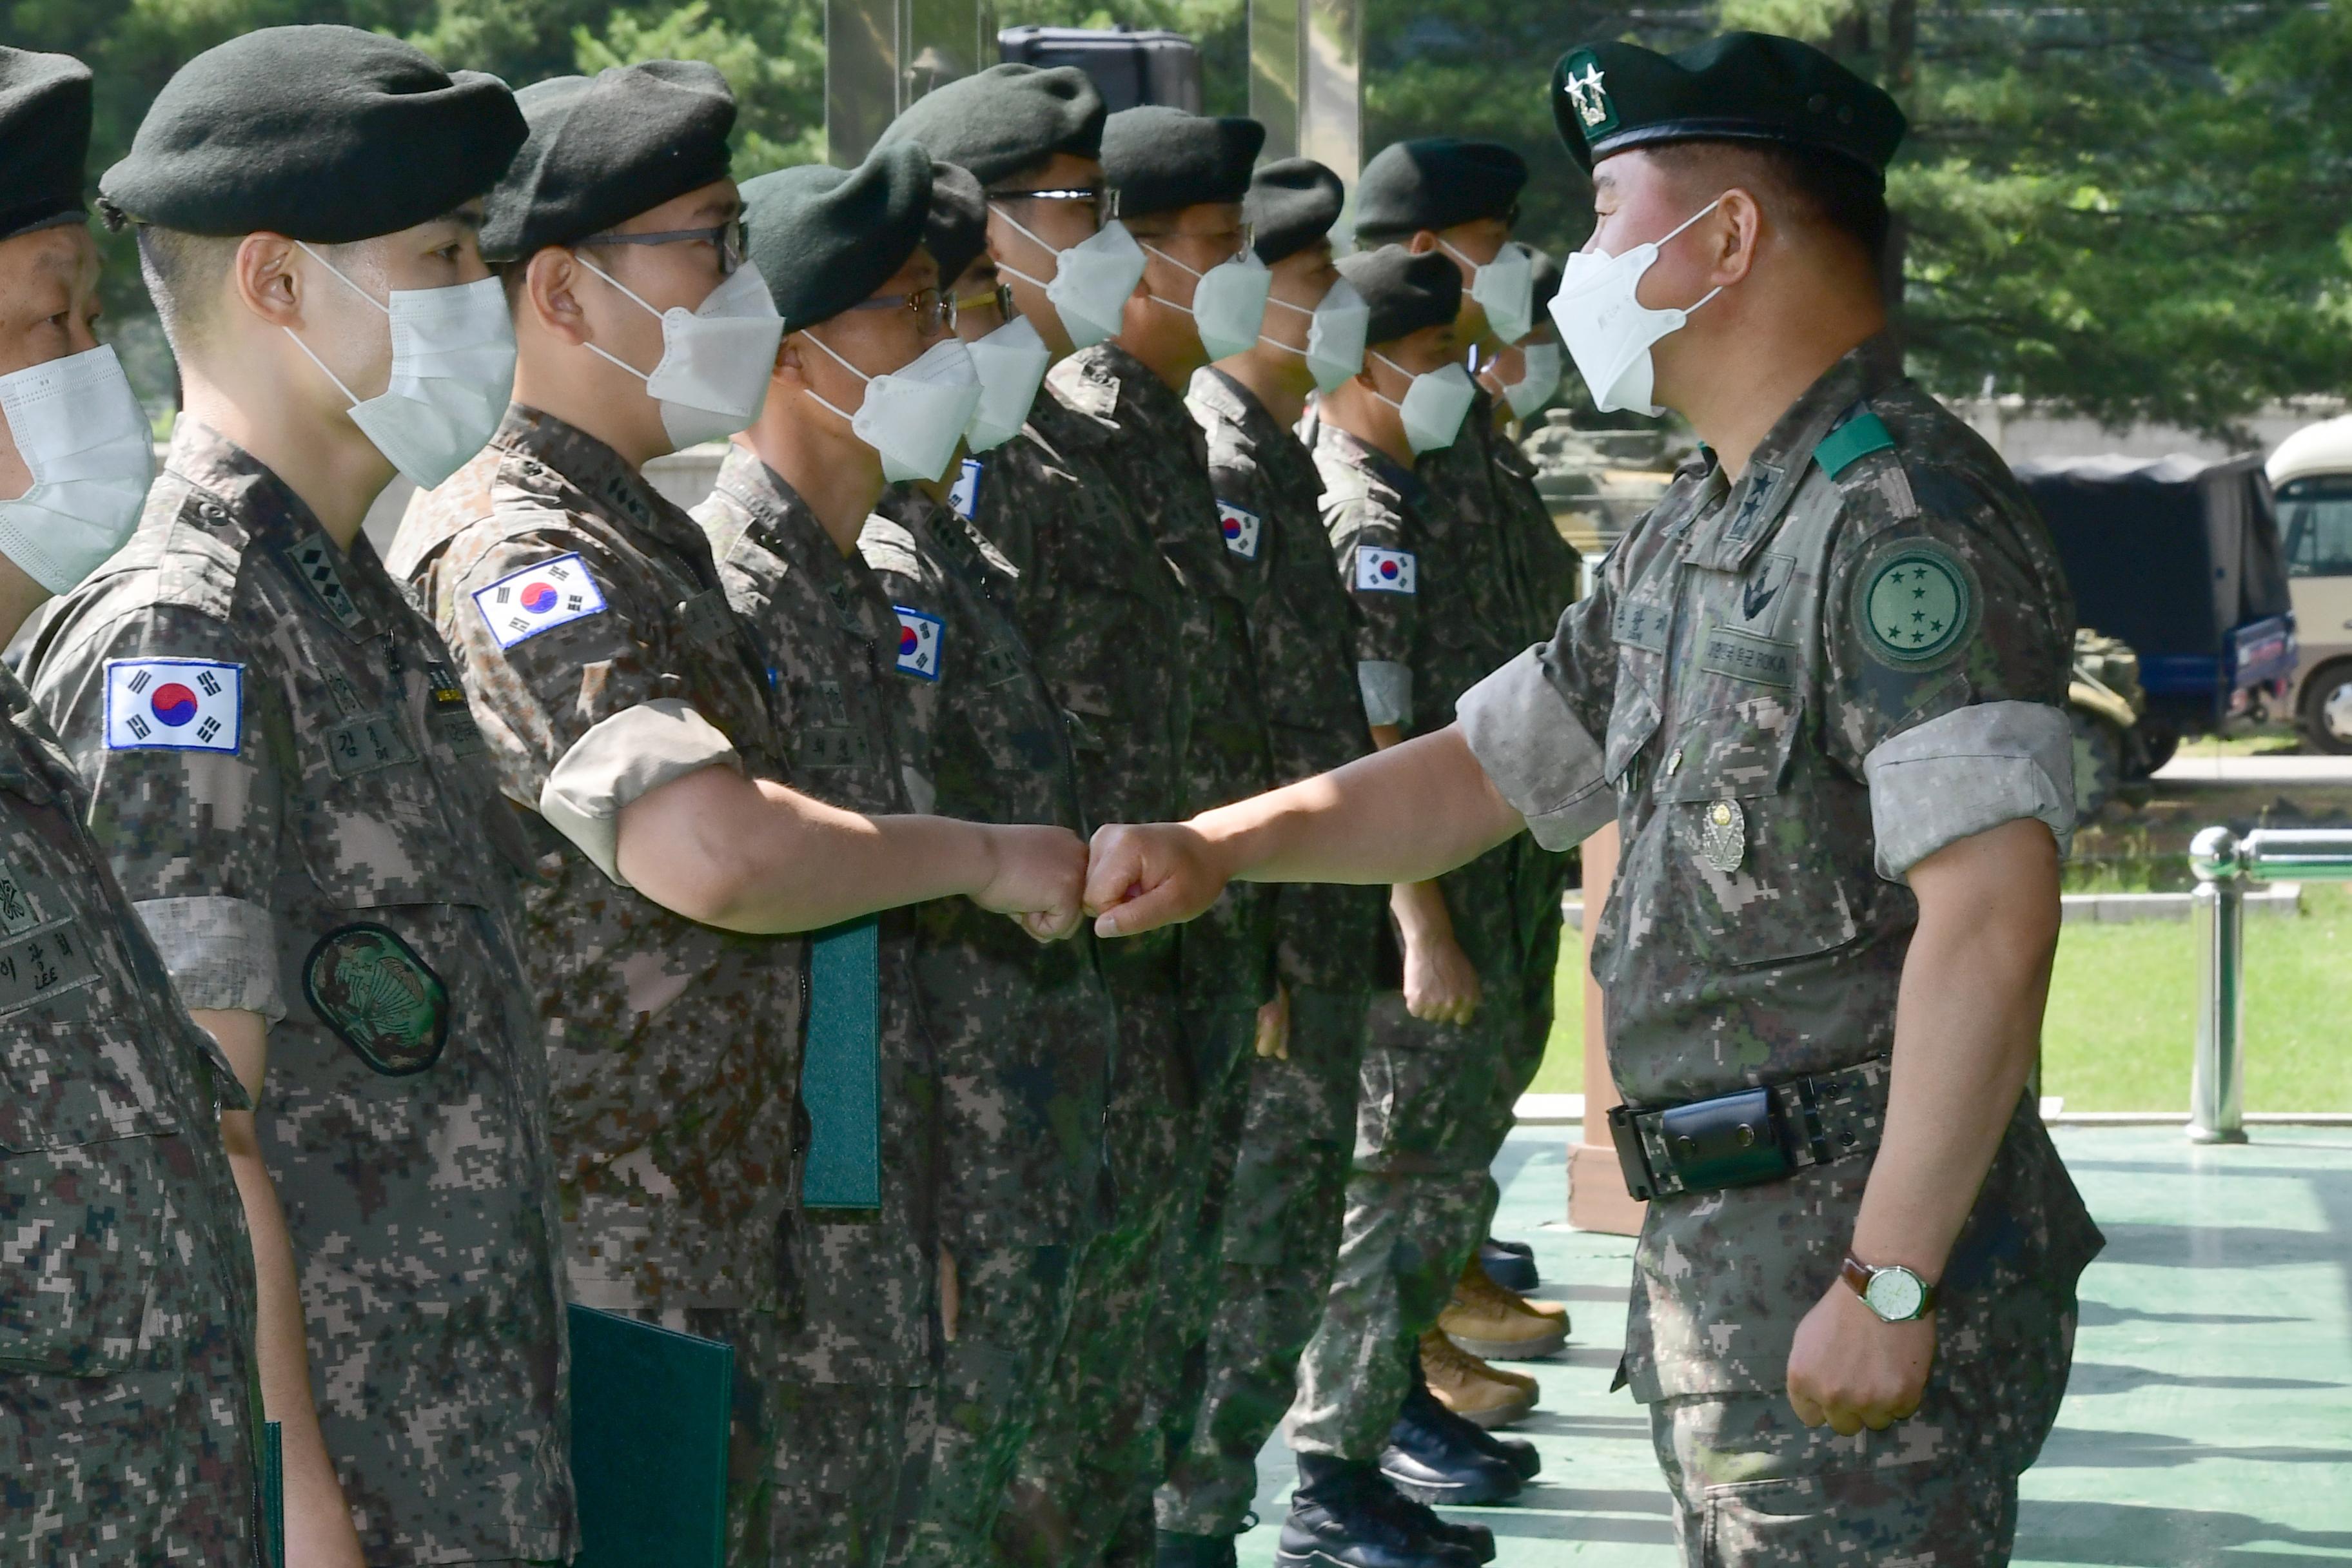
<point x="2162" y="744"/>
<point x="2326" y="715"/>
<point x="2098" y="763"/>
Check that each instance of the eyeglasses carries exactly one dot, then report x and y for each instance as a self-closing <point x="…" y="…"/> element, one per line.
<point x="727" y="237"/>
<point x="1000" y="297"/>
<point x="1247" y="232"/>
<point x="1104" y="203"/>
<point x="934" y="312"/>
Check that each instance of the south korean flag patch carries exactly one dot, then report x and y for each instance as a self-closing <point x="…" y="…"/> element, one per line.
<point x="1240" y="528"/>
<point x="919" y="637"/>
<point x="1384" y="571"/>
<point x="963" y="496"/>
<point x="540" y="598"/>
<point x="174" y="705"/>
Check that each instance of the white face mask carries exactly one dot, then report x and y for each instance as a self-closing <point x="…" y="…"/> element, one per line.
<point x="453" y="359"/>
<point x="1534" y="389"/>
<point x="914" y="415"/>
<point x="1435" y="406"/>
<point x="1228" y="301"/>
<point x="1505" y="288"/>
<point x="1092" y="280"/>
<point x="87" y="445"/>
<point x="712" y="379"/>
<point x="1335" y="335"/>
<point x="1011" y="363"/>
<point x="1606" y="327"/>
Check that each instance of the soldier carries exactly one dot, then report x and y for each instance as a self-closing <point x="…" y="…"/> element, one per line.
<point x="630" y="715"/>
<point x="1522" y="377"/>
<point x="1459" y="199"/>
<point x="1281" y="1223"/>
<point x="1821" y="687"/>
<point x="127" y="1409"/>
<point x="1104" y="614"/>
<point x="292" y="792"/>
<point x="1023" y="1033"/>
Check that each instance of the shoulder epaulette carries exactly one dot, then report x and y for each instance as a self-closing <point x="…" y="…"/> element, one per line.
<point x="1853" y="441"/>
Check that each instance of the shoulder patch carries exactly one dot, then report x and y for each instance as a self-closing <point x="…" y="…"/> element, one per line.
<point x="1851" y="442"/>
<point x="540" y="598"/>
<point x="175" y="705"/>
<point x="919" y="639"/>
<point x="1241" y="528"/>
<point x="1386" y="570"/>
<point x="963" y="496"/>
<point x="1914" y="603"/>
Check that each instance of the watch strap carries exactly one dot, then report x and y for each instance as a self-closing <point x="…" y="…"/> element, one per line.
<point x="1858" y="1274"/>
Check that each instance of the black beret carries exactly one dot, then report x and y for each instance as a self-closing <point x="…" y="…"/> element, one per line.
<point x="604" y="148"/>
<point x="957" y="231"/>
<point x="1292" y="203"/>
<point x="1159" y="158"/>
<point x="1007" y="118"/>
<point x="1741" y="87"/>
<point x="1406" y="292"/>
<point x="1546" y="283"/>
<point x="1437" y="182"/>
<point x="320" y="133"/>
<point x="44" y="137"/>
<point x="824" y="238"/>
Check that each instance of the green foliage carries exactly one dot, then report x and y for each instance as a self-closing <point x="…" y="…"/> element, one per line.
<point x="776" y="66"/>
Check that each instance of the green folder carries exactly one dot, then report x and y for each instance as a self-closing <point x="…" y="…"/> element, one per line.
<point x="273" y="1491"/>
<point x="840" y="1070"/>
<point x="649" y="1426"/>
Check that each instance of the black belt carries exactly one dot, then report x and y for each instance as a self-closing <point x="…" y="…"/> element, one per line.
<point x="1761" y="1134"/>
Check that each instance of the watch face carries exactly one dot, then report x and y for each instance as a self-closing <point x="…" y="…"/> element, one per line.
<point x="1895" y="1294"/>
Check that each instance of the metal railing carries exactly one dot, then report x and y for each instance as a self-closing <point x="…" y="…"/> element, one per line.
<point x="2226" y="865"/>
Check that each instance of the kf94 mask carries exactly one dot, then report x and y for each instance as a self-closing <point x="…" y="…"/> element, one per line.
<point x="81" y="434"/>
<point x="1335" y="334"/>
<point x="1435" y="406"/>
<point x="1092" y="280"/>
<point x="712" y="378"/>
<point x="914" y="415"/>
<point x="1607" y="329"/>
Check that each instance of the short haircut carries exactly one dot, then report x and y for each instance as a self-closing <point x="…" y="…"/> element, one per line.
<point x="184" y="273"/>
<point x="1826" y="189"/>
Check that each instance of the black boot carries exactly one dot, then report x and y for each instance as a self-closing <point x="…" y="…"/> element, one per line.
<point x="1343" y="1515"/>
<point x="1430" y="1411"/>
<point x="1173" y="1550"/>
<point x="1429" y="1462"/>
<point x="1510" y="1264"/>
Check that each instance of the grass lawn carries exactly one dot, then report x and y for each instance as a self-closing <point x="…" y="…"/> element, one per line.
<point x="2121" y="1028"/>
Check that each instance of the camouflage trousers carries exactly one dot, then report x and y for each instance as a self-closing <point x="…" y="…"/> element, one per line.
<point x="1275" y="1251"/>
<point x="1434" y="1103"/>
<point x="1753" y="1487"/>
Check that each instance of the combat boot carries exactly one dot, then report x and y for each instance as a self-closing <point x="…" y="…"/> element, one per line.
<point x="1496" y="1325"/>
<point x="1170" y="1549"/>
<point x="1430" y="1463"/>
<point x="1343" y="1515"/>
<point x="1425" y="1407"/>
<point x="1472" y="1389"/>
<point x="1510" y="1264"/>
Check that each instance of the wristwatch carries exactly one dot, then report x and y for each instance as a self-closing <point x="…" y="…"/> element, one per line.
<point x="1896" y="1293"/>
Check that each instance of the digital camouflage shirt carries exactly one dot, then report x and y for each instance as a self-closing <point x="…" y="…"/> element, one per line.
<point x="1162" y="464"/>
<point x="595" y="643"/>
<point x="1302" y="630"/>
<point x="1024" y="1030"/>
<point x="1787" y="690"/>
<point x="868" y="1282"/>
<point x="292" y="792"/>
<point x="128" y="1390"/>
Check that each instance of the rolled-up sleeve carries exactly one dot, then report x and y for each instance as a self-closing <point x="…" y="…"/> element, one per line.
<point x="1968" y="771"/>
<point x="1539" y="756"/>
<point x="222" y="953"/>
<point x="621" y="759"/>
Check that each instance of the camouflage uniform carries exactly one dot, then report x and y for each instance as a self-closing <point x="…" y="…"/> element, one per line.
<point x="1024" y="1031"/>
<point x="128" y="1401"/>
<point x="846" y="1470"/>
<point x="1103" y="615"/>
<point x="1790" y="690"/>
<point x="291" y="789"/>
<point x="1281" y="1223"/>
<point x="1442" y="594"/>
<point x="595" y="642"/>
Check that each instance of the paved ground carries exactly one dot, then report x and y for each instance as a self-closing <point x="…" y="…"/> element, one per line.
<point x="2209" y="1426"/>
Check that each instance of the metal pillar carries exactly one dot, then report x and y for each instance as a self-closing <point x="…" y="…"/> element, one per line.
<point x="1306" y="81"/>
<point x="882" y="54"/>
<point x="2217" y="913"/>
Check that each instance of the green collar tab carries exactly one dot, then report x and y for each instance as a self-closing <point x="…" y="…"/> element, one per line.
<point x="1853" y="441"/>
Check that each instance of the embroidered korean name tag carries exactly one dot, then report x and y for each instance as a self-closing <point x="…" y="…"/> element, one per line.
<point x="1385" y="571"/>
<point x="919" y="637"/>
<point x="964" y="494"/>
<point x="540" y="598"/>
<point x="1640" y="624"/>
<point x="174" y="705"/>
<point x="1240" y="530"/>
<point x="43" y="964"/>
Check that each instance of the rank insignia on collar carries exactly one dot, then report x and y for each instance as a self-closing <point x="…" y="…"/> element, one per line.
<point x="314" y="564"/>
<point x="1722" y="836"/>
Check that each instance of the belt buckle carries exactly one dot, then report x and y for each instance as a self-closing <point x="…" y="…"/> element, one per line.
<point x="1631" y="1160"/>
<point x="1731" y="1141"/>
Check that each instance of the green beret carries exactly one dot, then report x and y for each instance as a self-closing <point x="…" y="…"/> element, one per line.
<point x="1406" y="292"/>
<point x="1006" y="120"/>
<point x="824" y="238"/>
<point x="1434" y="182"/>
<point x="1159" y="158"/>
<point x="604" y="148"/>
<point x="44" y="137"/>
<point x="957" y="231"/>
<point x="1292" y="203"/>
<point x="1546" y="284"/>
<point x="320" y="133"/>
<point x="1741" y="87"/>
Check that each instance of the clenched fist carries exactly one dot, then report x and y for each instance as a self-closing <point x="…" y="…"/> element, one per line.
<point x="1141" y="879"/>
<point x="1037" y="876"/>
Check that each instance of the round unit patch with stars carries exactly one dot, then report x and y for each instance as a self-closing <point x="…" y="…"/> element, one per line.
<point x="1917" y="605"/>
<point x="385" y="1002"/>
